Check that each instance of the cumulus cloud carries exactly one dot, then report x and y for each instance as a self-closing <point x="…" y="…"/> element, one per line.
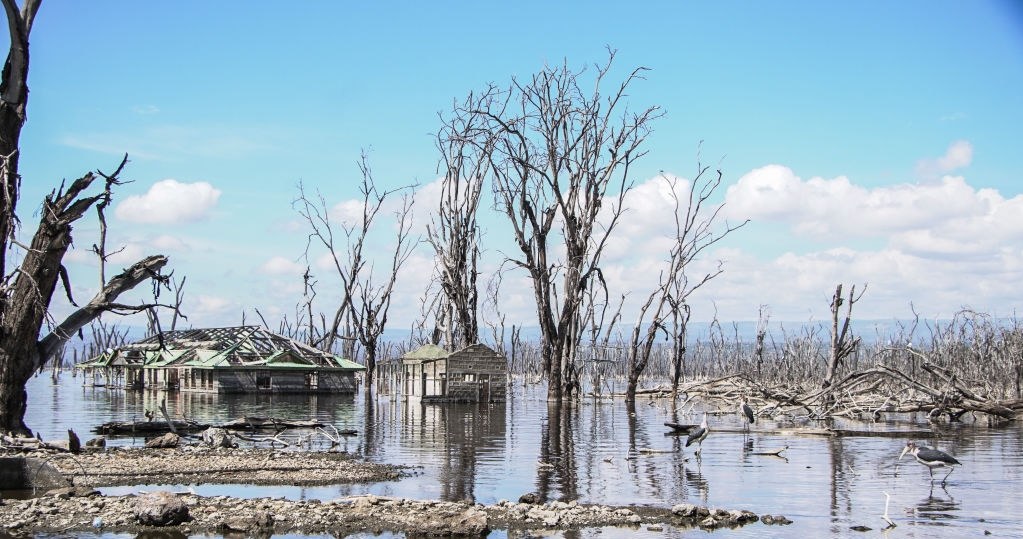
<point x="959" y="155"/>
<point x="280" y="265"/>
<point x="170" y="202"/>
<point x="829" y="209"/>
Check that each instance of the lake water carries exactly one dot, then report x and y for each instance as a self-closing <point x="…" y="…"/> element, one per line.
<point x="598" y="451"/>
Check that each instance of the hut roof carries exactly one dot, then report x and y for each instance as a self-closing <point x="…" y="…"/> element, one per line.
<point x="427" y="351"/>
<point x="240" y="346"/>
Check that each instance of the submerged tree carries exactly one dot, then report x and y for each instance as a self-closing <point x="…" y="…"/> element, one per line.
<point x="561" y="156"/>
<point x="696" y="230"/>
<point x="454" y="232"/>
<point x="26" y="290"/>
<point x="361" y="315"/>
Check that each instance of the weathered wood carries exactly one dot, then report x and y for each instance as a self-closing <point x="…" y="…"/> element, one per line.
<point x="679" y="427"/>
<point x="269" y="423"/>
<point x="148" y="427"/>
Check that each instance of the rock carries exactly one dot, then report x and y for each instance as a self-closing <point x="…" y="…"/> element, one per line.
<point x="161" y="508"/>
<point x="775" y="519"/>
<point x="530" y="498"/>
<point x="688" y="510"/>
<point x="98" y="442"/>
<point x="27" y="473"/>
<point x="217" y="437"/>
<point x="260" y="524"/>
<point x="167" y="440"/>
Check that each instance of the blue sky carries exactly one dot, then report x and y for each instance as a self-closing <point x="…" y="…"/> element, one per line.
<point x="869" y="143"/>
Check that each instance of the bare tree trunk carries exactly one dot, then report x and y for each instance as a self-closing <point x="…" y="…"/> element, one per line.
<point x="842" y="344"/>
<point x="695" y="231"/>
<point x="25" y="292"/>
<point x="366" y="301"/>
<point x="560" y="156"/>
<point x="453" y="232"/>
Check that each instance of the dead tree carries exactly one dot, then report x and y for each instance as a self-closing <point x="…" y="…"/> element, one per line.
<point x="561" y="158"/>
<point x="453" y="231"/>
<point x="26" y="291"/>
<point x="843" y="344"/>
<point x="365" y="298"/>
<point x="696" y="230"/>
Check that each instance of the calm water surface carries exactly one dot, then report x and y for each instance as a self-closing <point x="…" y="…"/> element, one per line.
<point x="598" y="451"/>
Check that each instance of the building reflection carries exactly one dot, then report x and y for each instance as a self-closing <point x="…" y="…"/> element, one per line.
<point x="462" y="436"/>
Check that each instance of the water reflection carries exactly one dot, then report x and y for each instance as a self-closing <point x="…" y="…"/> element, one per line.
<point x="556" y="470"/>
<point x="461" y="435"/>
<point x="940" y="506"/>
<point x="603" y="451"/>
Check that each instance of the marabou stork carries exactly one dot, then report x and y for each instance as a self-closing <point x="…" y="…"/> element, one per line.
<point x="747" y="414"/>
<point x="932" y="458"/>
<point x="698" y="435"/>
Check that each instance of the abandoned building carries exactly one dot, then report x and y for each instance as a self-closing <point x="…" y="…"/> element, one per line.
<point x="475" y="373"/>
<point x="223" y="360"/>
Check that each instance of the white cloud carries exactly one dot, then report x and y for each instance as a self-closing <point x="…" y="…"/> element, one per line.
<point x="168" y="243"/>
<point x="837" y="209"/>
<point x="169" y="202"/>
<point x="280" y="265"/>
<point x="959" y="155"/>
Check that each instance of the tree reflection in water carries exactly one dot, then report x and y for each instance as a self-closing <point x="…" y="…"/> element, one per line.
<point x="556" y="463"/>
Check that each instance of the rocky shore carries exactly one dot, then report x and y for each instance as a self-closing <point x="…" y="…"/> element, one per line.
<point x="80" y="508"/>
<point x="198" y="464"/>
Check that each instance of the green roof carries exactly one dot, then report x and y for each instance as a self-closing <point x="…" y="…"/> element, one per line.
<point x="428" y="351"/>
<point x="348" y="364"/>
<point x="242" y="347"/>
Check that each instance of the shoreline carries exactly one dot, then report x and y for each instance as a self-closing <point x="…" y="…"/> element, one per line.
<point x="80" y="507"/>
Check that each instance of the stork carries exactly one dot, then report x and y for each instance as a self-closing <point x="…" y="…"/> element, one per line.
<point x="747" y="413"/>
<point x="932" y="458"/>
<point x="698" y="435"/>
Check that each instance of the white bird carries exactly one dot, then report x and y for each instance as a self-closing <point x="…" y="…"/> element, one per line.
<point x="698" y="435"/>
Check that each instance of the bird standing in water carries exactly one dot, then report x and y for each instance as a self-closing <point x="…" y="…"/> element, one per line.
<point x="698" y="435"/>
<point x="746" y="411"/>
<point x="932" y="458"/>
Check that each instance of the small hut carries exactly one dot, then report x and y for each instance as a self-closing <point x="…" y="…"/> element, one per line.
<point x="224" y="360"/>
<point x="475" y="373"/>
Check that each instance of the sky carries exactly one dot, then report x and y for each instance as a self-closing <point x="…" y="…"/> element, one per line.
<point x="875" y="144"/>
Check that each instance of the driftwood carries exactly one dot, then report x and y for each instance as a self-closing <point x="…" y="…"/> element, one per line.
<point x="26" y="443"/>
<point x="269" y="423"/>
<point x="679" y="428"/>
<point x="862" y="394"/>
<point x="149" y="427"/>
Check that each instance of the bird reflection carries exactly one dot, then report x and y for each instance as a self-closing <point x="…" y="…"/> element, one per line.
<point x="937" y="507"/>
<point x="747" y="446"/>
<point x="695" y="480"/>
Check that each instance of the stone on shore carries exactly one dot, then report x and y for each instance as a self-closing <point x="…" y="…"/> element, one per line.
<point x="161" y="508"/>
<point x="163" y="442"/>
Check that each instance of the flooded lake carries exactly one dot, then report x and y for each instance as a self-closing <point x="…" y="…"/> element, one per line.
<point x="598" y="451"/>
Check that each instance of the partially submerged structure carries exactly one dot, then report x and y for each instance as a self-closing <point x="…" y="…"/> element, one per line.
<point x="475" y="373"/>
<point x="223" y="360"/>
